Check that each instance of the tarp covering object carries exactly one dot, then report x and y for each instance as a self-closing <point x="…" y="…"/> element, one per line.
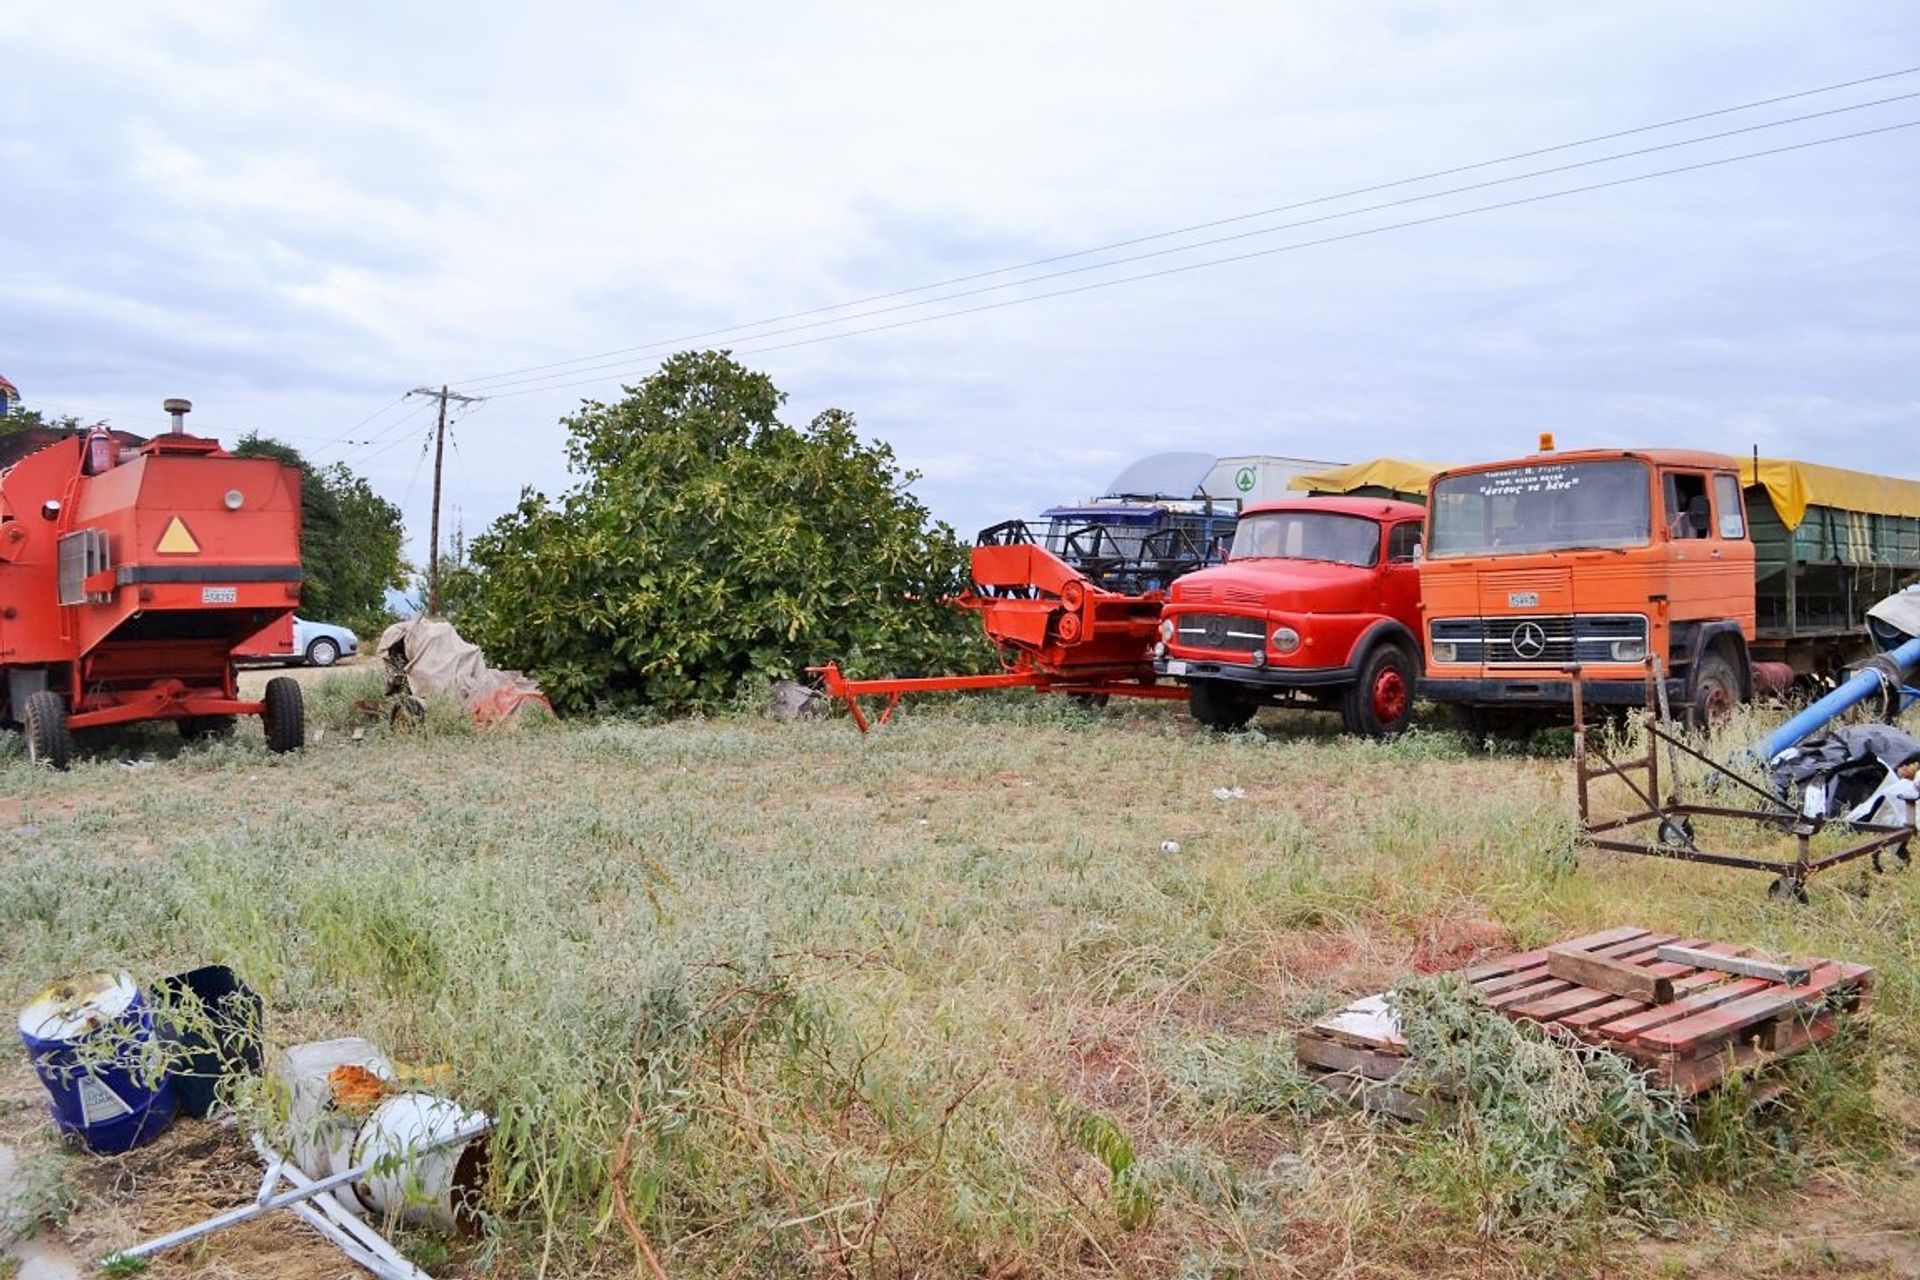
<point x="437" y="660"/>
<point x="1396" y="474"/>
<point x="1792" y="487"/>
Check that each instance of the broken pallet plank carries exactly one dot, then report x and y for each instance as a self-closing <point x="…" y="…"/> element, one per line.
<point x="1636" y="1024"/>
<point x="1374" y="1095"/>
<point x="1525" y="959"/>
<point x="1745" y="966"/>
<point x="1331" y="1054"/>
<point x="1366" y="1023"/>
<point x="1690" y="1076"/>
<point x="1686" y="980"/>
<point x="1542" y="984"/>
<point x="1707" y="1029"/>
<point x="1610" y="976"/>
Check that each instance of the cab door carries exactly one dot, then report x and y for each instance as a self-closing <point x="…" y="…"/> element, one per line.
<point x="1400" y="574"/>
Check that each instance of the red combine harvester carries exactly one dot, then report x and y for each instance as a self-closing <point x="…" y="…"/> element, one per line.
<point x="128" y="574"/>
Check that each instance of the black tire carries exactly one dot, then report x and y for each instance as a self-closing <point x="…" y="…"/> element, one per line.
<point x="1219" y="705"/>
<point x="285" y="716"/>
<point x="1713" y="691"/>
<point x="1380" y="703"/>
<point x="1787" y="889"/>
<point x="44" y="722"/>
<point x="323" y="652"/>
<point x="202" y="728"/>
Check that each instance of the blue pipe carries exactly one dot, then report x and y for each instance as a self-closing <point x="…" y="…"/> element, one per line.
<point x="1861" y="686"/>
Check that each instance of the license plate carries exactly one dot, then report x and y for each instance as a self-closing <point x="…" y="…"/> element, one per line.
<point x="1523" y="599"/>
<point x="219" y="595"/>
<point x="1175" y="667"/>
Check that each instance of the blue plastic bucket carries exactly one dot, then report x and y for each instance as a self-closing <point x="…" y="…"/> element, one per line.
<point x="90" y="1040"/>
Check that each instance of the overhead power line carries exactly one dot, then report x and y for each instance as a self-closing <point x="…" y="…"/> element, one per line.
<point x="568" y="365"/>
<point x="1258" y="231"/>
<point x="1286" y="248"/>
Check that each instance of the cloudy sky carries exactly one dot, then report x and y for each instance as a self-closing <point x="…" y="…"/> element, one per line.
<point x="294" y="213"/>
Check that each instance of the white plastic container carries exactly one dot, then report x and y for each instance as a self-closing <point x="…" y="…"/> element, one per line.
<point x="319" y="1135"/>
<point x="435" y="1187"/>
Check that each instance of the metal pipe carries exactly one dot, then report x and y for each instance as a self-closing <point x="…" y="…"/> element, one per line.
<point x="344" y="1220"/>
<point x="1857" y="689"/>
<point x="319" y="1186"/>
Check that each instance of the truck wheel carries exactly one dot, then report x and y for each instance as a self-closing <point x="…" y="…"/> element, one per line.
<point x="323" y="652"/>
<point x="1715" y="691"/>
<point x="201" y="728"/>
<point x="285" y="716"/>
<point x="49" y="741"/>
<point x="1219" y="706"/>
<point x="1380" y="703"/>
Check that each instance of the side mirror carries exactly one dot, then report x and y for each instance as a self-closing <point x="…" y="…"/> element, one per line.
<point x="1699" y="515"/>
<point x="1419" y="552"/>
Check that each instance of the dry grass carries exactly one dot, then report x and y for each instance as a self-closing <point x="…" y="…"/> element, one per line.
<point x="878" y="985"/>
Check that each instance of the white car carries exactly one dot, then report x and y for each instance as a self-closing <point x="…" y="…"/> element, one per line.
<point x="321" y="644"/>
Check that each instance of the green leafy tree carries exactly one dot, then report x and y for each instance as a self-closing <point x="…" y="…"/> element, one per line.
<point x="708" y="546"/>
<point x="350" y="540"/>
<point x="26" y="419"/>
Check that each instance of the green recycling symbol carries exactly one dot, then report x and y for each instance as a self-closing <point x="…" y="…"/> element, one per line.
<point x="1243" y="479"/>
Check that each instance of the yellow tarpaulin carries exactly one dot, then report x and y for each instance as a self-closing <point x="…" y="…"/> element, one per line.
<point x="1395" y="474"/>
<point x="1794" y="486"/>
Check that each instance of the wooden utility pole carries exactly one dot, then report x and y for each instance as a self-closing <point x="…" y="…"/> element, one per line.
<point x="439" y="449"/>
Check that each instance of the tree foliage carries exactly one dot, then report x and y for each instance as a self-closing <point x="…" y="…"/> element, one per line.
<point x="22" y="419"/>
<point x="708" y="545"/>
<point x="350" y="540"/>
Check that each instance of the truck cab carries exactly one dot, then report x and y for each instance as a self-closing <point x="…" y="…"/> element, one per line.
<point x="1597" y="559"/>
<point x="1316" y="605"/>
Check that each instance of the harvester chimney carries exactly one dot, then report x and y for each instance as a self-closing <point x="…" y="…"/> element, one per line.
<point x="179" y="409"/>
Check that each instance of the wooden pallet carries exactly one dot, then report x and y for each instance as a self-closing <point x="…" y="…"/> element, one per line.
<point x="1715" y="1023"/>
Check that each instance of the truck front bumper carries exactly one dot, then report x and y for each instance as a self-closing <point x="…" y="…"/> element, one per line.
<point x="1268" y="677"/>
<point x="1511" y="691"/>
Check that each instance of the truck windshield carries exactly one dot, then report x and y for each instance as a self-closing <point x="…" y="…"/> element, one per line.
<point x="1307" y="535"/>
<point x="1551" y="506"/>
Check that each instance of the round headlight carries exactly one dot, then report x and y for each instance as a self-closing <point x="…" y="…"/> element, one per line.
<point x="1166" y="630"/>
<point x="233" y="499"/>
<point x="1285" y="639"/>
<point x="1443" y="652"/>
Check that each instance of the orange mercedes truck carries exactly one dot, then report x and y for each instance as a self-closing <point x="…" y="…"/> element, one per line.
<point x="1736" y="574"/>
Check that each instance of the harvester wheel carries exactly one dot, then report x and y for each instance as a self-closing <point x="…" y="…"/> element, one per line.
<point x="1219" y="706"/>
<point x="202" y="728"/>
<point x="285" y="717"/>
<point x="1380" y="703"/>
<point x="44" y="719"/>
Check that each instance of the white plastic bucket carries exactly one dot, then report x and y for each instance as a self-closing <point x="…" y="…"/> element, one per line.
<point x="319" y="1134"/>
<point x="437" y="1187"/>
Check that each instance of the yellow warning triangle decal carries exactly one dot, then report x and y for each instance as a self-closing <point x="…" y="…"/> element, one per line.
<point x="176" y="541"/>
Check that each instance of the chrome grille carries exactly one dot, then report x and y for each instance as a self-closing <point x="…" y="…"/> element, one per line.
<point x="1219" y="631"/>
<point x="1533" y="640"/>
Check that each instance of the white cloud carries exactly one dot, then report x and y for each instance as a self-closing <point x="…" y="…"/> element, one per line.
<point x="293" y="215"/>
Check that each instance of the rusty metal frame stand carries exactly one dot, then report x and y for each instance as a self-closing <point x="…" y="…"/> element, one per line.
<point x="1672" y="833"/>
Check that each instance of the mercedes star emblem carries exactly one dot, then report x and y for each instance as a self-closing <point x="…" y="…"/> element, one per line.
<point x="1529" y="640"/>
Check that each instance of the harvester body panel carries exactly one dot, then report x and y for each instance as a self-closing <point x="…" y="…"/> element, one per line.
<point x="127" y="578"/>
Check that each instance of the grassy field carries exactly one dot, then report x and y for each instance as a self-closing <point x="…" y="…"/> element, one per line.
<point x="943" y="1000"/>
